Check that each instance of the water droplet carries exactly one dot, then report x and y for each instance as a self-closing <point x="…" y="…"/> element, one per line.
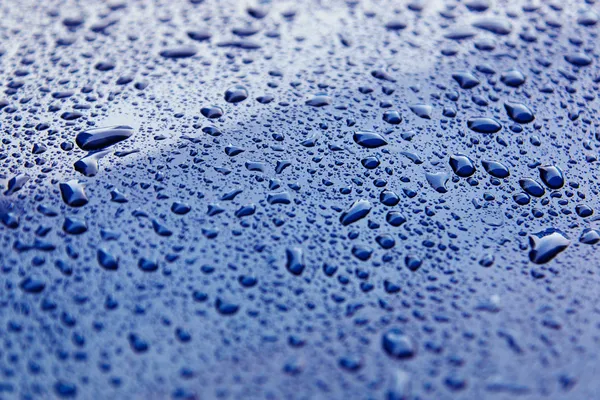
<point x="392" y="117"/>
<point x="589" y="236"/>
<point x="552" y="176"/>
<point x="356" y="212"/>
<point x="398" y="345"/>
<point x="107" y="260"/>
<point x="484" y="125"/>
<point x="422" y="110"/>
<point x="101" y="138"/>
<point x="389" y="198"/>
<point x="73" y="194"/>
<point x="462" y="165"/>
<point x="438" y="181"/>
<point x="578" y="59"/>
<point x="179" y="52"/>
<point x="519" y="112"/>
<point x="31" y="285"/>
<point x="319" y="100"/>
<point x="236" y="94"/>
<point x="295" y="260"/>
<point x="547" y="244"/>
<point x="212" y="112"/>
<point x="496" y="169"/>
<point x="494" y="25"/>
<point x="395" y="218"/>
<point x="369" y="139"/>
<point x="513" y="78"/>
<point x="532" y="187"/>
<point x="74" y="226"/>
<point x="199" y="35"/>
<point x="226" y="308"/>
<point x="465" y="80"/>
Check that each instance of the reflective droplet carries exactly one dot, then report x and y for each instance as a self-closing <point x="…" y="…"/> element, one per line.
<point x="422" y="110"/>
<point x="392" y="117"/>
<point x="295" y="260"/>
<point x="465" y="80"/>
<point x="477" y="5"/>
<point x="320" y="100"/>
<point x="546" y="245"/>
<point x="356" y="212"/>
<point x="16" y="183"/>
<point x="589" y="236"/>
<point x="460" y="33"/>
<point x="199" y="35"/>
<point x="180" y="208"/>
<point x="100" y="138"/>
<point x="389" y="198"/>
<point x="351" y="363"/>
<point x="484" y="124"/>
<point x="107" y="260"/>
<point x="584" y="211"/>
<point x="398" y="345"/>
<point x="395" y="218"/>
<point x="496" y="169"/>
<point x="362" y="252"/>
<point x="225" y="307"/>
<point x="236" y="94"/>
<point x="65" y="390"/>
<point x="31" y="285"/>
<point x="521" y="199"/>
<point x="494" y="25"/>
<point x="385" y="241"/>
<point x="88" y="165"/>
<point x="212" y="112"/>
<point x="395" y="25"/>
<point x="588" y="18"/>
<point x="532" y="187"/>
<point x="513" y="78"/>
<point x="462" y="165"/>
<point x="147" y="265"/>
<point x="73" y="194"/>
<point x="412" y="262"/>
<point x="382" y="75"/>
<point x="179" y="52"/>
<point x="370" y="162"/>
<point x="74" y="226"/>
<point x="438" y="181"/>
<point x="137" y="344"/>
<point x="552" y="176"/>
<point x="519" y="112"/>
<point x="279" y="198"/>
<point x="578" y="59"/>
<point x="369" y="139"/>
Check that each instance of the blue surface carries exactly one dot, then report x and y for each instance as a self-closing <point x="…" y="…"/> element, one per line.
<point x="299" y="200"/>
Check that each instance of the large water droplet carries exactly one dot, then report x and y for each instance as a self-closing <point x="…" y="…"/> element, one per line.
<point x="357" y="211"/>
<point x="494" y="25"/>
<point x="552" y="176"/>
<point x="462" y="165"/>
<point x="73" y="193"/>
<point x="100" y="138"/>
<point x="295" y="260"/>
<point x="466" y="80"/>
<point x="236" y="94"/>
<point x="179" y="52"/>
<point x="398" y="345"/>
<point x="369" y="139"/>
<point x="547" y="244"/>
<point x="484" y="124"/>
<point x="519" y="112"/>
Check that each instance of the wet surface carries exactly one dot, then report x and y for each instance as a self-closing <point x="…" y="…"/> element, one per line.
<point x="312" y="200"/>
